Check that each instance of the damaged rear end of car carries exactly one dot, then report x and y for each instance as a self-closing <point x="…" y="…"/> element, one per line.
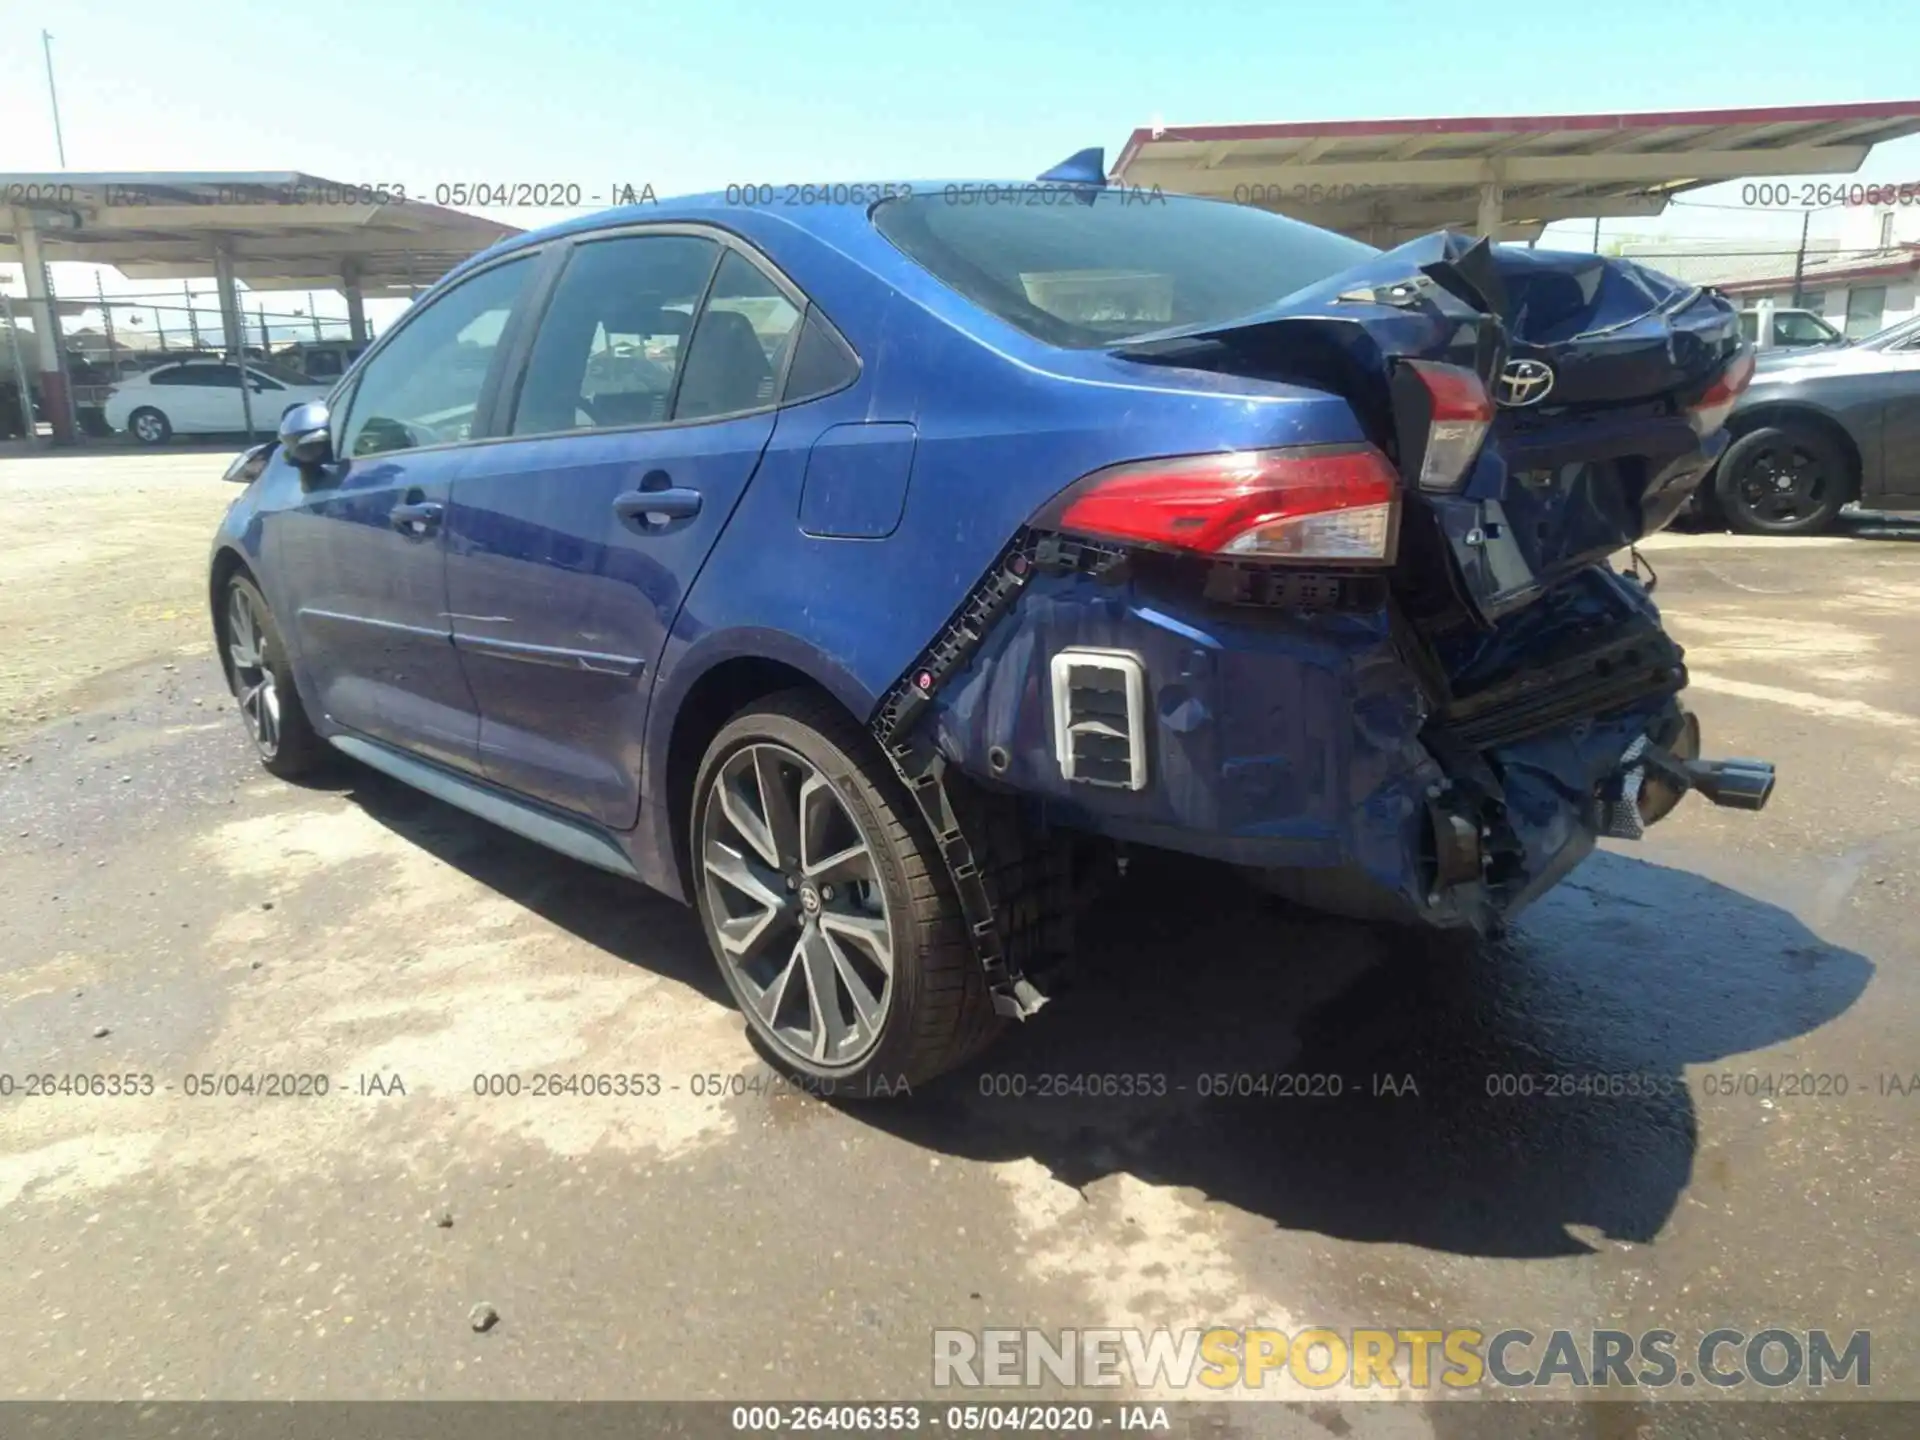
<point x="1390" y="672"/>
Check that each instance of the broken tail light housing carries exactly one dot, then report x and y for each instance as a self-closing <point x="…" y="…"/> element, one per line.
<point x="1441" y="414"/>
<point x="1323" y="504"/>
<point x="1710" y="411"/>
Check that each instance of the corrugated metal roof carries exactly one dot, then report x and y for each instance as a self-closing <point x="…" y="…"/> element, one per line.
<point x="288" y="229"/>
<point x="1390" y="179"/>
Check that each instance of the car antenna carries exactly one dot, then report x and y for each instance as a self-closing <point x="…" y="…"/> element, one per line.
<point x="1084" y="167"/>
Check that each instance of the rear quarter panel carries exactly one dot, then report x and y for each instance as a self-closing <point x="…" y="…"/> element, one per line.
<point x="1002" y="424"/>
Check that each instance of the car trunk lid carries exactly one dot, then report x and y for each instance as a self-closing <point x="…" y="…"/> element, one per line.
<point x="1595" y="366"/>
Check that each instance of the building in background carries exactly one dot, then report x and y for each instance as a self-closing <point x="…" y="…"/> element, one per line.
<point x="1862" y="274"/>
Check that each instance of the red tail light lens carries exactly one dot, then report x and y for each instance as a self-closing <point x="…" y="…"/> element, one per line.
<point x="1328" y="503"/>
<point x="1460" y="410"/>
<point x="1710" y="411"/>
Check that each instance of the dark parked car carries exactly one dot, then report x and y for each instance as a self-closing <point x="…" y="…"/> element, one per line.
<point x="1819" y="429"/>
<point x="852" y="570"/>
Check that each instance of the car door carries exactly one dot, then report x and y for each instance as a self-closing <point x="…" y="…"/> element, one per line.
<point x="635" y="429"/>
<point x="361" y="557"/>
<point x="190" y="401"/>
<point x="212" y="398"/>
<point x="1899" y="386"/>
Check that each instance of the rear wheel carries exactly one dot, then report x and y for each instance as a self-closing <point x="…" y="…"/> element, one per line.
<point x="1783" y="480"/>
<point x="149" y="426"/>
<point x="262" y="682"/>
<point x="826" y="906"/>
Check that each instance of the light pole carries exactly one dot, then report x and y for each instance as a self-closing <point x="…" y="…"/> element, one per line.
<point x="53" y="97"/>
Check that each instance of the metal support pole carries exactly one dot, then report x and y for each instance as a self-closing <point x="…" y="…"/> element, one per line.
<point x="1492" y="209"/>
<point x="313" y="317"/>
<point x="1800" y="259"/>
<point x="55" y="398"/>
<point x="1596" y="234"/>
<point x="19" y="371"/>
<point x="260" y="319"/>
<point x="53" y="98"/>
<point x="193" y="320"/>
<point x="233" y="321"/>
<point x="106" y="324"/>
<point x="356" y="304"/>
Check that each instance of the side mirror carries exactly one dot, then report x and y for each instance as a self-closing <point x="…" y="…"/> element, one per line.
<point x="304" y="435"/>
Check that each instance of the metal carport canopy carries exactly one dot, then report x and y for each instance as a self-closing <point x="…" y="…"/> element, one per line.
<point x="1509" y="176"/>
<point x="275" y="230"/>
<point x="284" y="230"/>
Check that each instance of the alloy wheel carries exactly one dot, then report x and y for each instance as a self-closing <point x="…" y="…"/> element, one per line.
<point x="253" y="680"/>
<point x="147" y="428"/>
<point x="797" y="906"/>
<point x="1781" y="484"/>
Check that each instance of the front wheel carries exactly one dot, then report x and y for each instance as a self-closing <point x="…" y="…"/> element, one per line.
<point x="1782" y="480"/>
<point x="262" y="682"/>
<point x="825" y="904"/>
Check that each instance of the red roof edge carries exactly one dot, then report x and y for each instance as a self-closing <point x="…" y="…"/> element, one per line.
<point x="1885" y="269"/>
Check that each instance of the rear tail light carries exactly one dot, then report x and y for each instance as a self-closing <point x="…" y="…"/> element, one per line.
<point x="1334" y="504"/>
<point x="1443" y="412"/>
<point x="1710" y="411"/>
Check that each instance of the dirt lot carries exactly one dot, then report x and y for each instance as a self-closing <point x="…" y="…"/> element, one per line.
<point x="173" y="913"/>
<point x="102" y="567"/>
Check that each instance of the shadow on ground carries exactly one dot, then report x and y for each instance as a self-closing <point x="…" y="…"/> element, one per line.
<point x="626" y="920"/>
<point x="1489" y="1096"/>
<point x="1367" y="1083"/>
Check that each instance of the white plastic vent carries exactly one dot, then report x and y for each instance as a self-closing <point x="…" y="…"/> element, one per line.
<point x="1099" y="717"/>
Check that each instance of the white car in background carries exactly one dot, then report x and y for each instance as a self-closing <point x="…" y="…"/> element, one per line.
<point x="202" y="397"/>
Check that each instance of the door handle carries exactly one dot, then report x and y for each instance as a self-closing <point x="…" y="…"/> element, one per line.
<point x="645" y="508"/>
<point x="421" y="517"/>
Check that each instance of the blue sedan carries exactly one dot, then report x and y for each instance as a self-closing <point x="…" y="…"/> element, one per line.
<point x="859" y="565"/>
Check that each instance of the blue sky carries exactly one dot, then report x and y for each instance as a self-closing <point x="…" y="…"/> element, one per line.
<point x="703" y="93"/>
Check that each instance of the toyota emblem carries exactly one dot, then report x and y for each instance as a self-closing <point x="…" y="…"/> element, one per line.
<point x="1524" y="382"/>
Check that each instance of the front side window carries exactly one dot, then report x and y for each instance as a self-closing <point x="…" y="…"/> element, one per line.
<point x="1107" y="267"/>
<point x="1792" y="329"/>
<point x="739" y="349"/>
<point x="424" y="387"/>
<point x="611" y="341"/>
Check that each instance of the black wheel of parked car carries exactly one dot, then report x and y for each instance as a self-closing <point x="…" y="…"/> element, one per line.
<point x="149" y="426"/>
<point x="1783" y="480"/>
<point x="826" y="904"/>
<point x="257" y="671"/>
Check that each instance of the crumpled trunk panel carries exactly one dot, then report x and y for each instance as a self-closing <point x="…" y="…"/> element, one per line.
<point x="1593" y="361"/>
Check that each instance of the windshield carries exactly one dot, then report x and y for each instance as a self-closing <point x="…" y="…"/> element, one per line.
<point x="1094" y="268"/>
<point x="1893" y="335"/>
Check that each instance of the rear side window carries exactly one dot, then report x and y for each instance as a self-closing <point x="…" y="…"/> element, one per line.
<point x="822" y="362"/>
<point x="611" y="343"/>
<point x="1102" y="270"/>
<point x="739" y="350"/>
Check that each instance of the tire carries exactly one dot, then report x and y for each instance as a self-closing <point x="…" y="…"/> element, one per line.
<point x="149" y="426"/>
<point x="1782" y="480"/>
<point x="255" y="660"/>
<point x="785" y="924"/>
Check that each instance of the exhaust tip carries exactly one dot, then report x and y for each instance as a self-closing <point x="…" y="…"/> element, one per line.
<point x="1736" y="784"/>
